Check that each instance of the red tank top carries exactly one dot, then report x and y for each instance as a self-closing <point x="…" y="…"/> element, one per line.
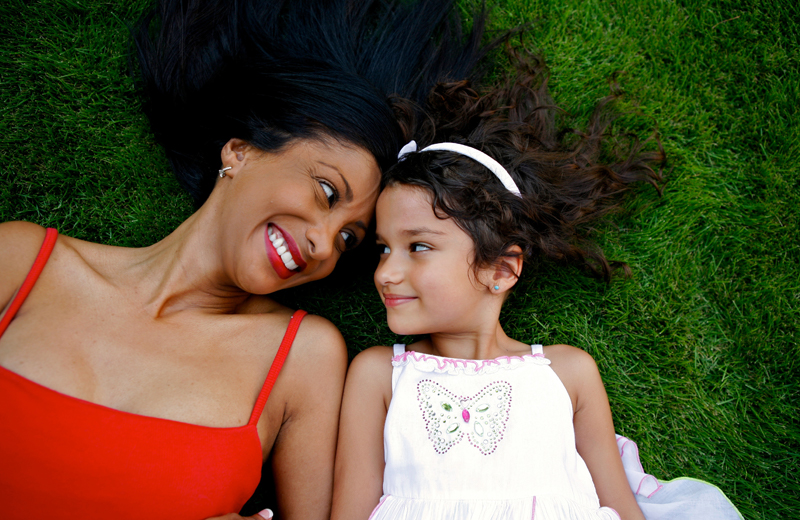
<point x="65" y="457"/>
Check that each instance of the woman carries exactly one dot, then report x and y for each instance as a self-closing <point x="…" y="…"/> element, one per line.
<point x="135" y="381"/>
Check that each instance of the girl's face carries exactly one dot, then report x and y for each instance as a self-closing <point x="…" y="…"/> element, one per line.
<point x="288" y="216"/>
<point x="425" y="277"/>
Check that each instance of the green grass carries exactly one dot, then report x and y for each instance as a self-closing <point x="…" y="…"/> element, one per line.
<point x="699" y="349"/>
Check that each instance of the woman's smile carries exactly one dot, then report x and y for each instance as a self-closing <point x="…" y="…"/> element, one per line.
<point x="282" y="252"/>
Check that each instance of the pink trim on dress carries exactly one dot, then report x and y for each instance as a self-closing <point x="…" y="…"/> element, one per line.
<point x="622" y="442"/>
<point x="533" y="513"/>
<point x="443" y="362"/>
<point x="383" y="499"/>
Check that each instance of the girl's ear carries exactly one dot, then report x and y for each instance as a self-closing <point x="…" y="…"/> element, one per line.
<point x="233" y="155"/>
<point x="503" y="275"/>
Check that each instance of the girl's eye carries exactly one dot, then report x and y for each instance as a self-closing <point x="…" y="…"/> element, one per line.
<point x="383" y="249"/>
<point x="416" y="248"/>
<point x="330" y="192"/>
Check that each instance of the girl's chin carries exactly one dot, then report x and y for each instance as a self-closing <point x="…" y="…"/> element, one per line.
<point x="404" y="329"/>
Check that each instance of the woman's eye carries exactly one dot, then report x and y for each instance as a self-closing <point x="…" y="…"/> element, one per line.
<point x="416" y="248"/>
<point x="383" y="249"/>
<point x="350" y="239"/>
<point x="330" y="192"/>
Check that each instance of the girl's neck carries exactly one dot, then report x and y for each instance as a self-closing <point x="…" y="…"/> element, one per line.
<point x="486" y="344"/>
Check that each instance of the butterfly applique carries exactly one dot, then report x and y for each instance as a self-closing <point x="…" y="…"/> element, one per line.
<point x="449" y="418"/>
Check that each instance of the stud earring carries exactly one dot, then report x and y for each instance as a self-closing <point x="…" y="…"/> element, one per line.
<point x="222" y="171"/>
<point x="496" y="287"/>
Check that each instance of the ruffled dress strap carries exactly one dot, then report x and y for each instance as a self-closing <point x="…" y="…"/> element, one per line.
<point x="398" y="350"/>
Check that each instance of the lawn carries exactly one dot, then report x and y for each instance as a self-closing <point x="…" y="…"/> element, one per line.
<point x="698" y="348"/>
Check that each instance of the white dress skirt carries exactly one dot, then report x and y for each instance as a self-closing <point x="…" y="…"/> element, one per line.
<point x="494" y="439"/>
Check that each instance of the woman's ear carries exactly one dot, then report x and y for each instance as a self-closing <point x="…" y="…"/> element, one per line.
<point x="503" y="275"/>
<point x="233" y="156"/>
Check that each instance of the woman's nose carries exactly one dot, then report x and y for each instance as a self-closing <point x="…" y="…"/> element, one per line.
<point x="321" y="241"/>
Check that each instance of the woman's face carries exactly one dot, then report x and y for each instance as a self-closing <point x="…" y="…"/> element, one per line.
<point x="288" y="216"/>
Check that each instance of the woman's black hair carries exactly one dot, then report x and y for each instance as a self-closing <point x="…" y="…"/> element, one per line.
<point x="269" y="72"/>
<point x="569" y="178"/>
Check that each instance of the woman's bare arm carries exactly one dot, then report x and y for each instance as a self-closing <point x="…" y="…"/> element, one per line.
<point x="594" y="428"/>
<point x="358" y="482"/>
<point x="304" y="449"/>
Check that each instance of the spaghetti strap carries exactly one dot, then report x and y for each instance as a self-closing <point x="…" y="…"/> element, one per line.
<point x="277" y="364"/>
<point x="30" y="280"/>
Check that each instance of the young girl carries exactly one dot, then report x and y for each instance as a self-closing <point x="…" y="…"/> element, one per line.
<point x="468" y="423"/>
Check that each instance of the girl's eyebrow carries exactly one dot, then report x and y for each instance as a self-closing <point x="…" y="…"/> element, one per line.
<point x="421" y="231"/>
<point x="415" y="232"/>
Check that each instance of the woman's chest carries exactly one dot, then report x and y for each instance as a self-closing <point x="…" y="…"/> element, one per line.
<point x="196" y="369"/>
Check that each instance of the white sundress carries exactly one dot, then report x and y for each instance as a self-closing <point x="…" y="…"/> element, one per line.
<point x="494" y="439"/>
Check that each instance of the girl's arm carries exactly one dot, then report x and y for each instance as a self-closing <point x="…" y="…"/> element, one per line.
<point x="358" y="479"/>
<point x="594" y="428"/>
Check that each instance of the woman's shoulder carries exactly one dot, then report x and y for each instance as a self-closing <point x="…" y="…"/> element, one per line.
<point x="315" y="337"/>
<point x="20" y="241"/>
<point x="19" y="245"/>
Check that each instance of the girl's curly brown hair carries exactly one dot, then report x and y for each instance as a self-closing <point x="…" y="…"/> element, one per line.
<point x="569" y="178"/>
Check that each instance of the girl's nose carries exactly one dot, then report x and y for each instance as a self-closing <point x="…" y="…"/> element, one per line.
<point x="388" y="272"/>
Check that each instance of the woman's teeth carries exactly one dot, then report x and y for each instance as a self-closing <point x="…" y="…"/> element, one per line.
<point x="280" y="246"/>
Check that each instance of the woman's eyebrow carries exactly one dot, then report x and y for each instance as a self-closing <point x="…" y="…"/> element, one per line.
<point x="348" y="192"/>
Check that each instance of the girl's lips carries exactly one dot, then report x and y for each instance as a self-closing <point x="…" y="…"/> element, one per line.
<point x="275" y="259"/>
<point x="393" y="300"/>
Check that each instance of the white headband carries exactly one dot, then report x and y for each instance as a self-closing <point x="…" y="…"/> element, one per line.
<point x="474" y="154"/>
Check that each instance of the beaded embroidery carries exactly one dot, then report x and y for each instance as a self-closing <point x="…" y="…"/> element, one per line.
<point x="449" y="418"/>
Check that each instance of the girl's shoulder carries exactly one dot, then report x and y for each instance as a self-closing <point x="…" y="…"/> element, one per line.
<point x="567" y="354"/>
<point x="376" y="358"/>
<point x="572" y="364"/>
<point x="371" y="370"/>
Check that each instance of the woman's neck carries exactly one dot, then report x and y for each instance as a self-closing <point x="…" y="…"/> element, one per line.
<point x="183" y="271"/>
